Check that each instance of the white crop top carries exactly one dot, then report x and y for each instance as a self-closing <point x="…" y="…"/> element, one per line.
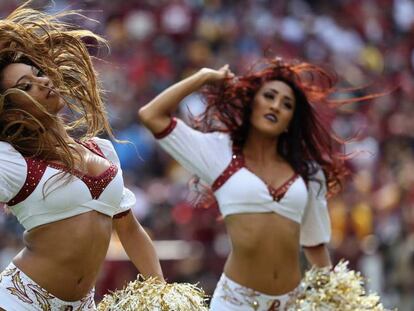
<point x="22" y="183"/>
<point x="211" y="157"/>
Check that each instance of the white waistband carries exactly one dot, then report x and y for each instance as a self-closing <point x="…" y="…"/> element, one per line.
<point x="230" y="295"/>
<point x="19" y="292"/>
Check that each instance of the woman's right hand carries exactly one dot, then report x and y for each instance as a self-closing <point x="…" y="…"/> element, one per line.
<point x="212" y="76"/>
<point x="156" y="115"/>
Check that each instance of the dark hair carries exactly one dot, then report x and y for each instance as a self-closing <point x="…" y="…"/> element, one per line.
<point x="309" y="143"/>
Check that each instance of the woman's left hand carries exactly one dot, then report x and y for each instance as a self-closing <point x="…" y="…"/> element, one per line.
<point x="212" y="76"/>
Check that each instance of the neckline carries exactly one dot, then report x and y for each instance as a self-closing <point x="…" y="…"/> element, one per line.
<point x="95" y="149"/>
<point x="277" y="193"/>
<point x="96" y="184"/>
<point x="80" y="174"/>
<point x="36" y="168"/>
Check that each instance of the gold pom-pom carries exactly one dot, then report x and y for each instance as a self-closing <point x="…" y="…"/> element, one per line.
<point x="326" y="289"/>
<point x="154" y="295"/>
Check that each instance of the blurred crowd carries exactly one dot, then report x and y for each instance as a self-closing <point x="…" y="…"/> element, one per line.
<point x="155" y="43"/>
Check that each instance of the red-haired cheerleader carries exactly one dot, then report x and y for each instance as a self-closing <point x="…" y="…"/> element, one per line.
<point x="270" y="161"/>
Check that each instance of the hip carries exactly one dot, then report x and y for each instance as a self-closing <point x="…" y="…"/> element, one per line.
<point x="19" y="292"/>
<point x="266" y="274"/>
<point x="231" y="296"/>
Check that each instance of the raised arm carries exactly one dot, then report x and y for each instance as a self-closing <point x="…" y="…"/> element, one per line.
<point x="156" y="115"/>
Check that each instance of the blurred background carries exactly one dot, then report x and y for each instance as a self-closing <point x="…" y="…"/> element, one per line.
<point x="155" y="43"/>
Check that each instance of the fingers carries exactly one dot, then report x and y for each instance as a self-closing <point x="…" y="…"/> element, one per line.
<point x="224" y="68"/>
<point x="227" y="72"/>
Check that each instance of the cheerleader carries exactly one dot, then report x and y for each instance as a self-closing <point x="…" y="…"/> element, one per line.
<point x="269" y="160"/>
<point x="67" y="191"/>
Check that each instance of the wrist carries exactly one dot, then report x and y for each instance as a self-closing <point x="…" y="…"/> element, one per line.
<point x="201" y="77"/>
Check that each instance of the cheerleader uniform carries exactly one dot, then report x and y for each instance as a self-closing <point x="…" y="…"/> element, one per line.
<point x="22" y="183"/>
<point x="212" y="157"/>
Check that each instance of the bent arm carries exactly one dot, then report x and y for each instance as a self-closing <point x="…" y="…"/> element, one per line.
<point x="138" y="245"/>
<point x="156" y="115"/>
<point x="318" y="255"/>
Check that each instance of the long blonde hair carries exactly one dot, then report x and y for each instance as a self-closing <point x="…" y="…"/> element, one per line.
<point x="59" y="49"/>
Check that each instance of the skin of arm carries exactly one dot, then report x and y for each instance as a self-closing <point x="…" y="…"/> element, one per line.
<point x="138" y="245"/>
<point x="318" y="255"/>
<point x="156" y="115"/>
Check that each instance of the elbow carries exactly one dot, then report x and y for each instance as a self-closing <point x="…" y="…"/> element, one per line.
<point x="144" y="116"/>
<point x="153" y="119"/>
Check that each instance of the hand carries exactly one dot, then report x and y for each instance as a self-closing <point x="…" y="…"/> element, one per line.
<point x="213" y="76"/>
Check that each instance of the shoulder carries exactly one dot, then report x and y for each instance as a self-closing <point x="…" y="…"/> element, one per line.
<point x="179" y="134"/>
<point x="13" y="171"/>
<point x="103" y="143"/>
<point x="317" y="181"/>
<point x="317" y="172"/>
<point x="4" y="146"/>
<point x="10" y="154"/>
<point x="221" y="137"/>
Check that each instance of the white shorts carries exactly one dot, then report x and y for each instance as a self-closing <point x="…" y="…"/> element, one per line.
<point x="20" y="293"/>
<point x="231" y="296"/>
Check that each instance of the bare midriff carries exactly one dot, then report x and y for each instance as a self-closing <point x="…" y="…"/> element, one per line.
<point x="64" y="257"/>
<point x="265" y="252"/>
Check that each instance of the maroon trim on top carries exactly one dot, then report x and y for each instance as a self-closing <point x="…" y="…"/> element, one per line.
<point x="279" y="193"/>
<point x="167" y="130"/>
<point x="35" y="170"/>
<point x="98" y="184"/>
<point x="238" y="162"/>
<point x="92" y="146"/>
<point x="95" y="184"/>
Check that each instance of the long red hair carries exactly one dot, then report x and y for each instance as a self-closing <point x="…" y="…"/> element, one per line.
<point x="309" y="144"/>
